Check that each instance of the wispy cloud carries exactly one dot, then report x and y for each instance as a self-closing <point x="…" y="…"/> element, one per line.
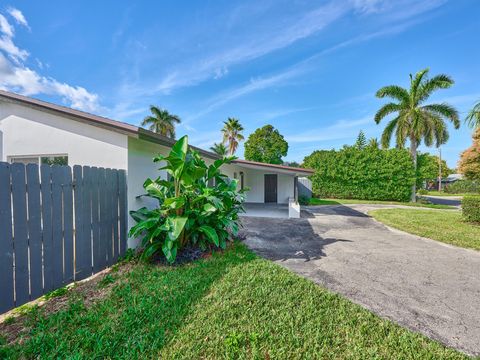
<point x="17" y="77"/>
<point x="18" y="16"/>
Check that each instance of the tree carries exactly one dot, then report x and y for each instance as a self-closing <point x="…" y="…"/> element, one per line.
<point x="161" y="122"/>
<point x="469" y="164"/>
<point x="232" y="134"/>
<point x="473" y="117"/>
<point x="292" y="164"/>
<point x="373" y="143"/>
<point x="266" y="145"/>
<point x="428" y="168"/>
<point x="219" y="149"/>
<point x="414" y="121"/>
<point x="361" y="140"/>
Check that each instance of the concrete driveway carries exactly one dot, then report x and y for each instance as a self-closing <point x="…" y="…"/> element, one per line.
<point x="421" y="284"/>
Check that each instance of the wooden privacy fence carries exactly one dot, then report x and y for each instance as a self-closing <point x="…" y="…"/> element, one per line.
<point x="57" y="226"/>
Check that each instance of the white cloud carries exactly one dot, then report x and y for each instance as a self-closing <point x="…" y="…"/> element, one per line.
<point x="17" y="77"/>
<point x="5" y="26"/>
<point x="18" y="16"/>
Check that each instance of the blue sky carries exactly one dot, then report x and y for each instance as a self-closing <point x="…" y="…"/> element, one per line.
<point x="310" y="68"/>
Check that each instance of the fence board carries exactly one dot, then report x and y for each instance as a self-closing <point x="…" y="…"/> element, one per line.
<point x="34" y="231"/>
<point x="67" y="224"/>
<point x="6" y="241"/>
<point x="109" y="179"/>
<point x="47" y="235"/>
<point x="103" y="219"/>
<point x="122" y="197"/>
<point x="88" y="185"/>
<point x="95" y="178"/>
<point x="115" y="216"/>
<point x="20" y="236"/>
<point x="78" y="233"/>
<point x="57" y="226"/>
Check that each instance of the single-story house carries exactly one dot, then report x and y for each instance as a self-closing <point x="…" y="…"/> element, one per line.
<point x="37" y="131"/>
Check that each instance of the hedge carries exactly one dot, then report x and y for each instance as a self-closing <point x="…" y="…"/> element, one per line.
<point x="471" y="208"/>
<point x="366" y="174"/>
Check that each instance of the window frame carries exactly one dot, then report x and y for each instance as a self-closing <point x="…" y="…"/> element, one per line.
<point x="11" y="158"/>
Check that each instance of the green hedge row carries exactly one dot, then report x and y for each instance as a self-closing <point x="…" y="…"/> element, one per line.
<point x="367" y="174"/>
<point x="471" y="208"/>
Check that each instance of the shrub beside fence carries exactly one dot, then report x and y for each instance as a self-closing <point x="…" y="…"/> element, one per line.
<point x="471" y="208"/>
<point x="57" y="226"/>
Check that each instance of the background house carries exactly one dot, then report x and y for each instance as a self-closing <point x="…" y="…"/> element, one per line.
<point x="40" y="132"/>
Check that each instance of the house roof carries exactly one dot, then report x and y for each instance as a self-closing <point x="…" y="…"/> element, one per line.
<point x="279" y="168"/>
<point x="130" y="129"/>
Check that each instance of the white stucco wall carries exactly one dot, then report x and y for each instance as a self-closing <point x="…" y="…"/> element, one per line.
<point x="26" y="131"/>
<point x="255" y="180"/>
<point x="141" y="167"/>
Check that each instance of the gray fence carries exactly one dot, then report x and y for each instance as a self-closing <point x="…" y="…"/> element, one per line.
<point x="57" y="226"/>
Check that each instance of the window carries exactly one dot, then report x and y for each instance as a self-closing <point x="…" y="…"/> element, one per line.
<point x="40" y="159"/>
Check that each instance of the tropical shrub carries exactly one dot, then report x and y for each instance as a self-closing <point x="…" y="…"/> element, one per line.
<point x="303" y="200"/>
<point x="198" y="205"/>
<point x="366" y="174"/>
<point x="463" y="187"/>
<point x="471" y="208"/>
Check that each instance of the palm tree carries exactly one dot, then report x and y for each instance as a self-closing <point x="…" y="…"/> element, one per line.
<point x="161" y="122"/>
<point x="473" y="117"/>
<point x="373" y="143"/>
<point x="232" y="134"/>
<point x="413" y="119"/>
<point x="219" y="149"/>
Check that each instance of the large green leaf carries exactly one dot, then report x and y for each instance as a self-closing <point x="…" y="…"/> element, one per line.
<point x="176" y="225"/>
<point x="210" y="233"/>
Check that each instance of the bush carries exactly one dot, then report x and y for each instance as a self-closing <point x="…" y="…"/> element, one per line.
<point x="422" y="192"/>
<point x="471" y="208"/>
<point x="463" y="187"/>
<point x="190" y="212"/>
<point x="364" y="174"/>
<point x="303" y="200"/>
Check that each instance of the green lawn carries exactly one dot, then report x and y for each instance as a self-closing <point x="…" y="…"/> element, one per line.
<point x="314" y="201"/>
<point x="232" y="305"/>
<point x="442" y="193"/>
<point x="444" y="226"/>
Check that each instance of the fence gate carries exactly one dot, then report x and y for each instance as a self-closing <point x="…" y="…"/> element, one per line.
<point x="57" y="226"/>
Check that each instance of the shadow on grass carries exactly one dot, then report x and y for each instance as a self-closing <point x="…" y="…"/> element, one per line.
<point x="140" y="316"/>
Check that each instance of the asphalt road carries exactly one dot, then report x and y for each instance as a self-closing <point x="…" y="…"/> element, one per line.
<point x="424" y="285"/>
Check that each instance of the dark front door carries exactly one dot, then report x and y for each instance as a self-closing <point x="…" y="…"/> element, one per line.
<point x="270" y="188"/>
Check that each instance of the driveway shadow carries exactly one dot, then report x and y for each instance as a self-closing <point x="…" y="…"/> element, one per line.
<point x="283" y="239"/>
<point x="339" y="209"/>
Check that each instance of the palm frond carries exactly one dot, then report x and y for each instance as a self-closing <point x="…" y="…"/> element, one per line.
<point x="386" y="110"/>
<point x="394" y="92"/>
<point x="473" y="117"/>
<point x="388" y="132"/>
<point x="441" y="81"/>
<point x="416" y="81"/>
<point x="445" y="111"/>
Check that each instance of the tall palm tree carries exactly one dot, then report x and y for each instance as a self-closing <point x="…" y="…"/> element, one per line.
<point x="219" y="149"/>
<point x="232" y="134"/>
<point x="415" y="121"/>
<point x="161" y="122"/>
<point x="473" y="117"/>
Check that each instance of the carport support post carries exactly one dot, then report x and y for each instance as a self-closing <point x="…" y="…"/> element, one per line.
<point x="295" y="188"/>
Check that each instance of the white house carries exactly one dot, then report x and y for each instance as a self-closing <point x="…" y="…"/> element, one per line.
<point x="33" y="131"/>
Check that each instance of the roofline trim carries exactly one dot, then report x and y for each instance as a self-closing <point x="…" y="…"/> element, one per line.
<point x="275" y="166"/>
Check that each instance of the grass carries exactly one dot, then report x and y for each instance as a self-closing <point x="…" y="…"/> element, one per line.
<point x="232" y="305"/>
<point x="442" y="193"/>
<point x="315" y="201"/>
<point x="444" y="226"/>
